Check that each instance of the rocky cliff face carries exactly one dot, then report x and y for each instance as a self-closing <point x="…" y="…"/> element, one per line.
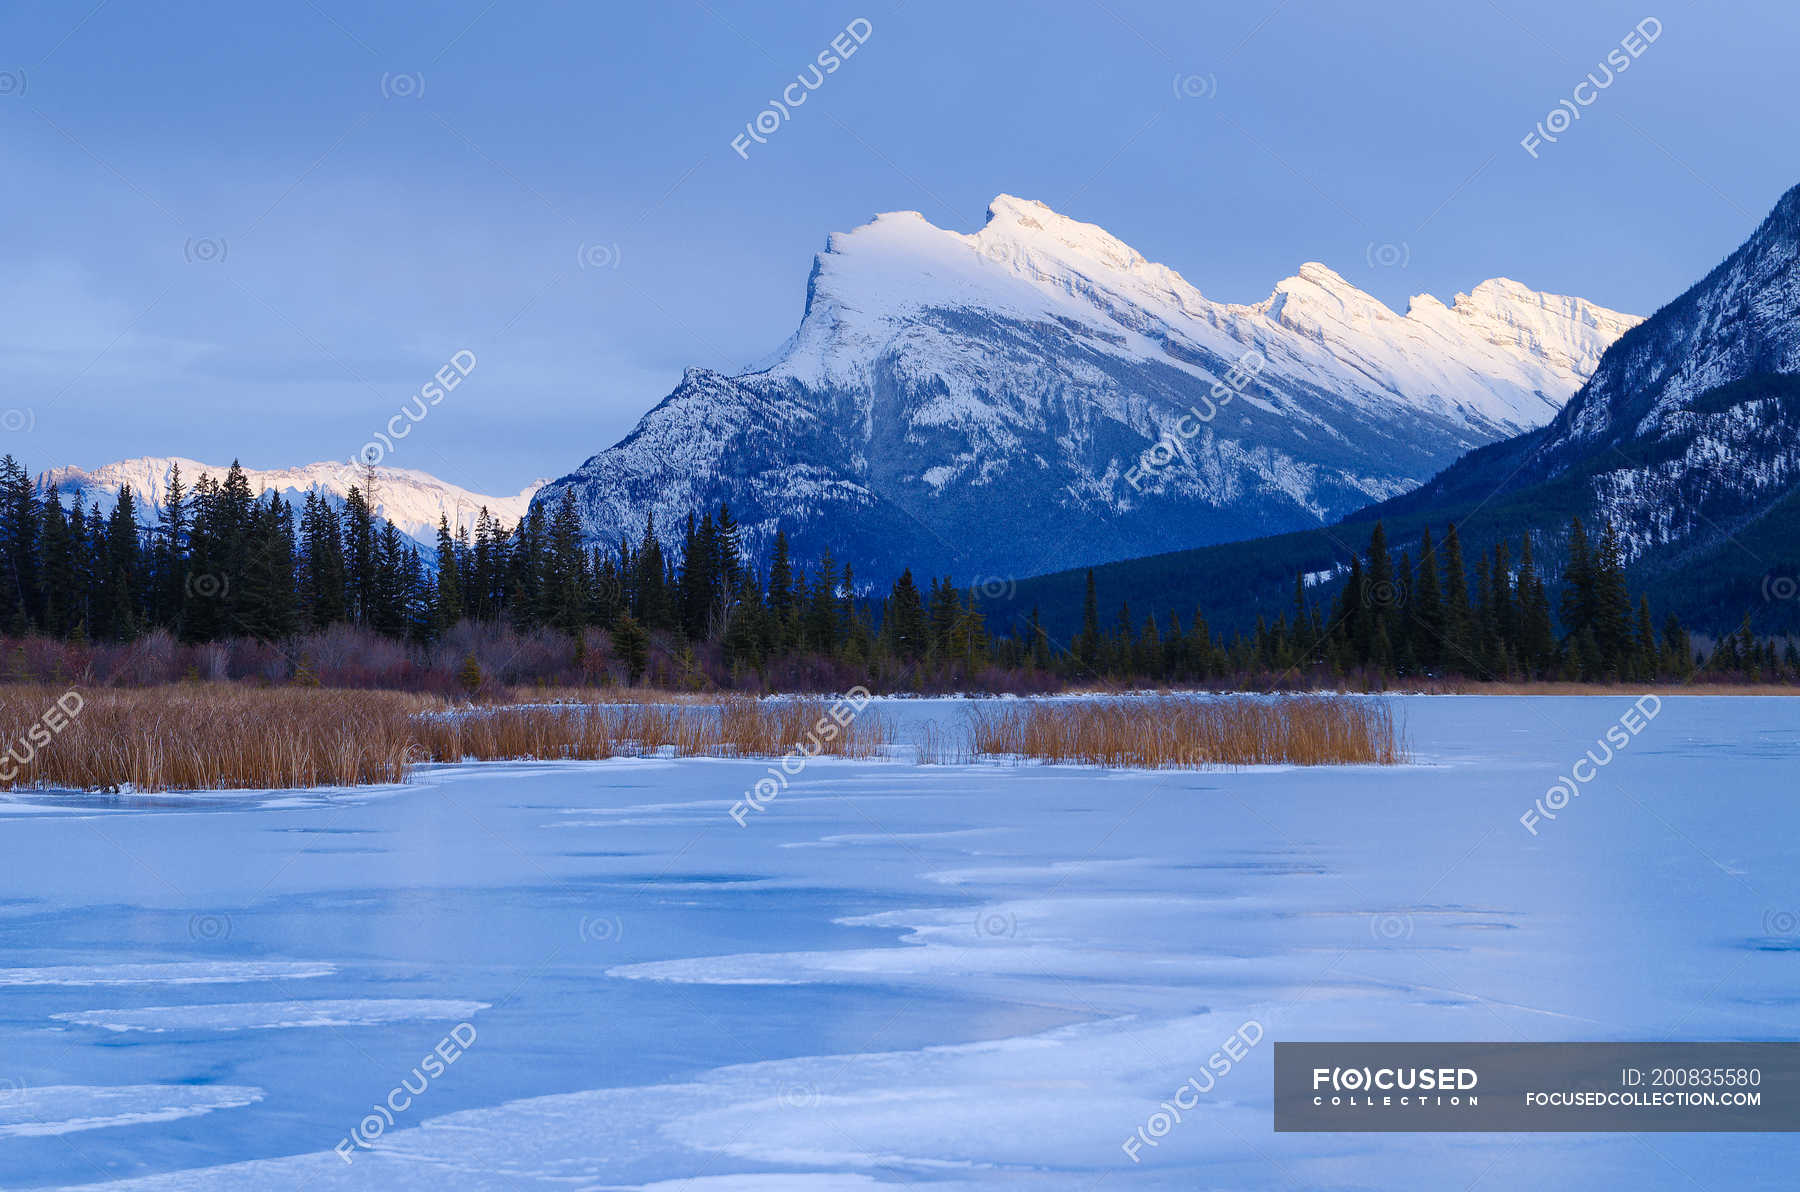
<point x="1024" y="399"/>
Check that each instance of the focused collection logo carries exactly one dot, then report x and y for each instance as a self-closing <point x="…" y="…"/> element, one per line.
<point x="1404" y="1088"/>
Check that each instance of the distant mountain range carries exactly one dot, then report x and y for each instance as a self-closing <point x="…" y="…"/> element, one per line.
<point x="412" y="500"/>
<point x="1024" y="399"/>
<point x="1686" y="438"/>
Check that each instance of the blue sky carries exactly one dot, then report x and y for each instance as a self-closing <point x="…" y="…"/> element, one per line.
<point x="256" y="230"/>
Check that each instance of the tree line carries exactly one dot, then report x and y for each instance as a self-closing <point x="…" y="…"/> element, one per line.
<point x="216" y="562"/>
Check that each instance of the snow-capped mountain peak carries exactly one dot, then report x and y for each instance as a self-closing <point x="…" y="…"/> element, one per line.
<point x="1502" y="354"/>
<point x="411" y="499"/>
<point x="938" y="377"/>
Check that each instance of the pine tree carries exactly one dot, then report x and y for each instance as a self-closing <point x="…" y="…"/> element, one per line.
<point x="565" y="582"/>
<point x="1579" y="582"/>
<point x="781" y="586"/>
<point x="172" y="543"/>
<point x="1425" y="627"/>
<point x="469" y="676"/>
<point x="904" y="626"/>
<point x="359" y="552"/>
<point x="448" y="607"/>
<point x="19" y="598"/>
<point x="1087" y="646"/>
<point x="1677" y="650"/>
<point x="119" y="615"/>
<point x="266" y="608"/>
<point x="1612" y="604"/>
<point x="321" y="565"/>
<point x="1647" y="650"/>
<point x="1459" y="630"/>
<point x="633" y="645"/>
<point x="56" y="565"/>
<point x="1537" y="636"/>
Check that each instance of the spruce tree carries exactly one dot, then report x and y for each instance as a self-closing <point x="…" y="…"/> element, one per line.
<point x="1459" y="629"/>
<point x="1425" y="627"/>
<point x="904" y="626"/>
<point x="119" y="615"/>
<point x="448" y="607"/>
<point x="1537" y="636"/>
<point x="633" y="644"/>
<point x="20" y="604"/>
<point x="1087" y="646"/>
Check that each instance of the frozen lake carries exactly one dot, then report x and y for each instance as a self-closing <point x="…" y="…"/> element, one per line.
<point x="965" y="976"/>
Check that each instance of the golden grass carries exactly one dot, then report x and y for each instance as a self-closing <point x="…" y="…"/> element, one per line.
<point x="201" y="737"/>
<point x="1164" y="732"/>
<point x="223" y="736"/>
<point x="738" y="727"/>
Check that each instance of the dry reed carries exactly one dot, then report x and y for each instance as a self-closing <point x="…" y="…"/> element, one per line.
<point x="224" y="736"/>
<point x="738" y="727"/>
<point x="932" y="746"/>
<point x="202" y="737"/>
<point x="1171" y="732"/>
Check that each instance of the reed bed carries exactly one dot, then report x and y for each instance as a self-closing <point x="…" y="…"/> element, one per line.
<point x="738" y="727"/>
<point x="1176" y="733"/>
<point x="202" y="737"/>
<point x="226" y="736"/>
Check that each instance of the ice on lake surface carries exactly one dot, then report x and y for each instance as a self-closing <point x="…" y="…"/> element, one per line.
<point x="964" y="976"/>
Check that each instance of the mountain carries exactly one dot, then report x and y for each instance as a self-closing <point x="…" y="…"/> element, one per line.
<point x="1686" y="438"/>
<point x="412" y="500"/>
<point x="982" y="404"/>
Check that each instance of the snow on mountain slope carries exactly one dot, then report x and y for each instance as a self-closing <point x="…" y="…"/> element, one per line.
<point x="1688" y="433"/>
<point x="983" y="402"/>
<point x="412" y="500"/>
<point x="1503" y="353"/>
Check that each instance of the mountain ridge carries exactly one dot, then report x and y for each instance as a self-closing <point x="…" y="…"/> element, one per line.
<point x="409" y="498"/>
<point x="949" y="397"/>
<point x="1686" y="439"/>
